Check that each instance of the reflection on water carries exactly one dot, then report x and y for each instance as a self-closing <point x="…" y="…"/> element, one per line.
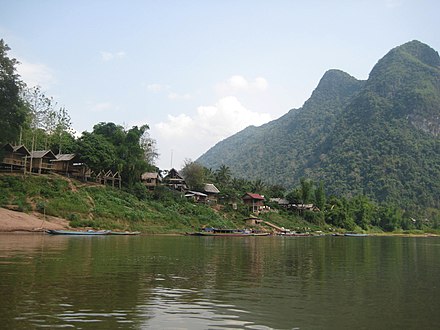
<point x="207" y="282"/>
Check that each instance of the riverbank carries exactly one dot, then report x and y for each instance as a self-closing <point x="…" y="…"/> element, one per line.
<point x="14" y="221"/>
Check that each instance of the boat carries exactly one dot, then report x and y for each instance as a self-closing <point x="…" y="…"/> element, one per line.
<point x="228" y="233"/>
<point x="355" y="235"/>
<point x="74" y="232"/>
<point x="124" y="233"/>
<point x="294" y="234"/>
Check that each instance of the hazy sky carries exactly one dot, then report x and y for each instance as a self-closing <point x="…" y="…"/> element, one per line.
<point x="199" y="71"/>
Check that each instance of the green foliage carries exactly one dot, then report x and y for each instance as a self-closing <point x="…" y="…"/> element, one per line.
<point x="194" y="175"/>
<point x="111" y="147"/>
<point x="13" y="114"/>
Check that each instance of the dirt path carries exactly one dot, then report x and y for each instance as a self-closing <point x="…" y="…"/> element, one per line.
<point x="18" y="221"/>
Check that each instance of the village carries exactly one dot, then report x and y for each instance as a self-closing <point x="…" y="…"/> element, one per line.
<point x="18" y="159"/>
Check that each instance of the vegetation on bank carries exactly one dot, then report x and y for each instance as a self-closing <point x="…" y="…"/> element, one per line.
<point x="165" y="211"/>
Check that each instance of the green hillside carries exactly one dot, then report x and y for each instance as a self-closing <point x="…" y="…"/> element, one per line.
<point x="379" y="137"/>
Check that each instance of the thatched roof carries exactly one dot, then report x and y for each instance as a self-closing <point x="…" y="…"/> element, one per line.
<point x="150" y="175"/>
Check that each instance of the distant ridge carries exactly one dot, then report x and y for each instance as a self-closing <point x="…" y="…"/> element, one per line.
<point x="379" y="137"/>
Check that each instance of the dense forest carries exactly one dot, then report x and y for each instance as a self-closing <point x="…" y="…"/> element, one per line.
<point x="378" y="138"/>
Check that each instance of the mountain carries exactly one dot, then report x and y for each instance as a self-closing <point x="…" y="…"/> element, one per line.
<point x="278" y="149"/>
<point x="379" y="137"/>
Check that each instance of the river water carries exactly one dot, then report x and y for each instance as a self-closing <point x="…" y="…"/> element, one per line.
<point x="183" y="282"/>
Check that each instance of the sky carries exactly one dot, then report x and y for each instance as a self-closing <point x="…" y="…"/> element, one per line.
<point x="199" y="71"/>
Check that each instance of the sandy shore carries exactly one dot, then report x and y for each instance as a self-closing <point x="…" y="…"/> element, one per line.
<point x="11" y="221"/>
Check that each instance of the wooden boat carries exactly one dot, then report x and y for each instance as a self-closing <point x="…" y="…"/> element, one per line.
<point x="355" y="235"/>
<point x="124" y="233"/>
<point x="294" y="234"/>
<point x="73" y="232"/>
<point x="228" y="233"/>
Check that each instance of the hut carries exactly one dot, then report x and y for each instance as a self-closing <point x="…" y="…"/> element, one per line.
<point x="175" y="181"/>
<point x="212" y="192"/>
<point x="40" y="161"/>
<point x="71" y="166"/>
<point x="252" y="221"/>
<point x="151" y="179"/>
<point x="255" y="202"/>
<point x="14" y="157"/>
<point x="196" y="196"/>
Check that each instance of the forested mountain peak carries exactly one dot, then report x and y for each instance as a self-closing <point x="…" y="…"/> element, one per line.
<point x="378" y="137"/>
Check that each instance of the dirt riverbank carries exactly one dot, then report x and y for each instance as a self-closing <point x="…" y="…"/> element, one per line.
<point x="11" y="221"/>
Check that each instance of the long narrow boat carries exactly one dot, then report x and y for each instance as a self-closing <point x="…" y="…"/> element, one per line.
<point x="124" y="233"/>
<point x="228" y="233"/>
<point x="355" y="235"/>
<point x="73" y="232"/>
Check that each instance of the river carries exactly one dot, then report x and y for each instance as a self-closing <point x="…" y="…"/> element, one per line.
<point x="184" y="282"/>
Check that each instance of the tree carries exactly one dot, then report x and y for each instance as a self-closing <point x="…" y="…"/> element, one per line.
<point x="194" y="174"/>
<point x="223" y="175"/>
<point x="49" y="125"/>
<point x="12" y="111"/>
<point x="148" y="144"/>
<point x="320" y="197"/>
<point x="98" y="153"/>
<point x="306" y="190"/>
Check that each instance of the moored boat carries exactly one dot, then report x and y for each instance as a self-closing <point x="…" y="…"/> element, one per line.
<point x="124" y="233"/>
<point x="73" y="232"/>
<point x="228" y="232"/>
<point x="355" y="234"/>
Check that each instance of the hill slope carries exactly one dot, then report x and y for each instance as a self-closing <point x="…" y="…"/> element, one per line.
<point x="282" y="146"/>
<point x="380" y="137"/>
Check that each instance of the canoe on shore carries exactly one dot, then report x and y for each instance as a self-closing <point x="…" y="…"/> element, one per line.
<point x="355" y="235"/>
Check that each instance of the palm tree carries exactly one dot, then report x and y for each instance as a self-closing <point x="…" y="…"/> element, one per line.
<point x="223" y="174"/>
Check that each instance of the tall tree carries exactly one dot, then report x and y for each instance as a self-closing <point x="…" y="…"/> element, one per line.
<point x="194" y="174"/>
<point x="12" y="112"/>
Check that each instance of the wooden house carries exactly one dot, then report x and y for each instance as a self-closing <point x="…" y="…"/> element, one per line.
<point x="71" y="166"/>
<point x="255" y="202"/>
<point x="40" y="161"/>
<point x="151" y="179"/>
<point x="196" y="196"/>
<point x="175" y="181"/>
<point x="212" y="192"/>
<point x="14" y="157"/>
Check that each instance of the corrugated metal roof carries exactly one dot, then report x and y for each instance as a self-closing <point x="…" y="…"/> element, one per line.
<point x="64" y="157"/>
<point x="210" y="188"/>
<point x="43" y="154"/>
<point x="254" y="196"/>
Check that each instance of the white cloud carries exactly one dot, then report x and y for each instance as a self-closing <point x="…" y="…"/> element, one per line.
<point x="108" y="56"/>
<point x="261" y="84"/>
<point x="190" y="136"/>
<point x="238" y="83"/>
<point x="36" y="74"/>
